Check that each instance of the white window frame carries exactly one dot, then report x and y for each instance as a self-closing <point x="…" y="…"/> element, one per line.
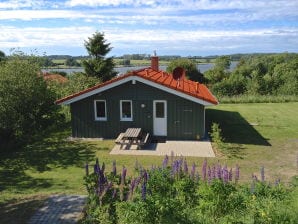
<point x="95" y="111"/>
<point x="121" y="115"/>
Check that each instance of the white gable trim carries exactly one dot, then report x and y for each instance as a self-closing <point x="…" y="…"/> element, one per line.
<point x="142" y="80"/>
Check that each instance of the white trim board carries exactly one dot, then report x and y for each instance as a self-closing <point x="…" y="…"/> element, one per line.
<point x="139" y="79"/>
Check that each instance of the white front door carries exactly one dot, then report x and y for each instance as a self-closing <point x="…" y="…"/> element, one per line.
<point x="160" y="117"/>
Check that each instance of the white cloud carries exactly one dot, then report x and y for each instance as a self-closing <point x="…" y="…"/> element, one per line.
<point x="75" y="36"/>
<point x="16" y="4"/>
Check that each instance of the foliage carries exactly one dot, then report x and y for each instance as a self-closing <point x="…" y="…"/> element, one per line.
<point x="70" y="61"/>
<point x="216" y="136"/>
<point x="219" y="72"/>
<point x="177" y="193"/>
<point x="76" y="82"/>
<point x="98" y="66"/>
<point x="274" y="74"/>
<point x="190" y="67"/>
<point x="26" y="104"/>
<point x="2" y="56"/>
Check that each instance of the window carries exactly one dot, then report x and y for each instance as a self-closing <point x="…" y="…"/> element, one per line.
<point x="125" y="110"/>
<point x="159" y="110"/>
<point x="100" y="110"/>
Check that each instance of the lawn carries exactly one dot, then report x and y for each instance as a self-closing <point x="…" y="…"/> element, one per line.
<point x="255" y="135"/>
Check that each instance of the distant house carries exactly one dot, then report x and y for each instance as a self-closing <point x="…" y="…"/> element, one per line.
<point x="49" y="77"/>
<point x="160" y="103"/>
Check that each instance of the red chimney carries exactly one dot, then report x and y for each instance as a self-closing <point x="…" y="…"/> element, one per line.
<point x="154" y="62"/>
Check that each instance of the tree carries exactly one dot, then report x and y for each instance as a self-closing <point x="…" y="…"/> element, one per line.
<point x="2" y="56"/>
<point x="218" y="72"/>
<point x="190" y="67"/>
<point x="70" y="61"/>
<point x="26" y="104"/>
<point x="99" y="65"/>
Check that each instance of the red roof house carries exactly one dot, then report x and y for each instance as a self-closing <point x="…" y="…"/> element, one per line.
<point x="160" y="103"/>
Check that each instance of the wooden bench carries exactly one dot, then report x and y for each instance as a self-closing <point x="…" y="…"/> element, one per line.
<point x="119" y="139"/>
<point x="144" y="140"/>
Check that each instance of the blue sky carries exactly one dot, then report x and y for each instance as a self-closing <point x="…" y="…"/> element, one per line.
<point x="171" y="27"/>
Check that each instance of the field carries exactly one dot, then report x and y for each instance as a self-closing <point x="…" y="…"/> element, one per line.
<point x="255" y="135"/>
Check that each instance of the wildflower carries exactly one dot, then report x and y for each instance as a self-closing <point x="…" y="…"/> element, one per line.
<point x="231" y="174"/>
<point x="225" y="174"/>
<point x="204" y="170"/>
<point x="124" y="170"/>
<point x="165" y="162"/>
<point x="144" y="190"/>
<point x="87" y="169"/>
<point x="185" y="167"/>
<point x="193" y="170"/>
<point x="262" y="174"/>
<point x="277" y="182"/>
<point x="145" y="176"/>
<point x="209" y="175"/>
<point x="213" y="171"/>
<point x="219" y="171"/>
<point x="114" y="168"/>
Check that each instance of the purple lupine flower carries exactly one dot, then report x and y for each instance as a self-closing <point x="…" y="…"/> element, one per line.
<point x="219" y="171"/>
<point x="209" y="175"/>
<point x="138" y="180"/>
<point x="231" y="174"/>
<point x="165" y="162"/>
<point x="87" y="169"/>
<point x="145" y="176"/>
<point x="185" y="167"/>
<point x="262" y="174"/>
<point x="123" y="175"/>
<point x="204" y="170"/>
<point x="237" y="173"/>
<point x="225" y="174"/>
<point x="144" y="191"/>
<point x="213" y="172"/>
<point x="114" y="168"/>
<point x="193" y="171"/>
<point x="96" y="169"/>
<point x="131" y="189"/>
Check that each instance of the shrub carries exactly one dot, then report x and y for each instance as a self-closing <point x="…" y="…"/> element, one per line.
<point x="177" y="193"/>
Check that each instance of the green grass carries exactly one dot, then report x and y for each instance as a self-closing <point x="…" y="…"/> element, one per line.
<point x="255" y="135"/>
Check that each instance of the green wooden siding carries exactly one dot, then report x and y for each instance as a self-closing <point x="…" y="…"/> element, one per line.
<point x="185" y="118"/>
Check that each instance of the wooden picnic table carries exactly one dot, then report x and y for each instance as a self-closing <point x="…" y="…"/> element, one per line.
<point x="132" y="136"/>
<point x="132" y="133"/>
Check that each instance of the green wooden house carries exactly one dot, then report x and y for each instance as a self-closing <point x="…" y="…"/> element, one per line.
<point x="160" y="103"/>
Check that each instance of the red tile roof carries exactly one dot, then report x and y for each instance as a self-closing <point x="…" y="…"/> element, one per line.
<point x="162" y="78"/>
<point x="54" y="77"/>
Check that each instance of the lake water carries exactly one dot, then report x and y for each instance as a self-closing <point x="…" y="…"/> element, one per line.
<point x="122" y="70"/>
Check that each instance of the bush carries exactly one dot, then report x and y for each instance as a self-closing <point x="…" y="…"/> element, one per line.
<point x="177" y="193"/>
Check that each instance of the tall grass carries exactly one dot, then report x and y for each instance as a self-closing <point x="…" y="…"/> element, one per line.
<point x="258" y="99"/>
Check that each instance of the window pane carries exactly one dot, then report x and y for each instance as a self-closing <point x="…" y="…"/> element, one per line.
<point x="126" y="109"/>
<point x="100" y="109"/>
<point x="159" y="110"/>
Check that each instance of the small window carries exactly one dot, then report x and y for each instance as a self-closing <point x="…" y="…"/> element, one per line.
<point x="100" y="110"/>
<point x="125" y="110"/>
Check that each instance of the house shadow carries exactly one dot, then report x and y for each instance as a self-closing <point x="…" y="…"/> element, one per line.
<point x="235" y="129"/>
